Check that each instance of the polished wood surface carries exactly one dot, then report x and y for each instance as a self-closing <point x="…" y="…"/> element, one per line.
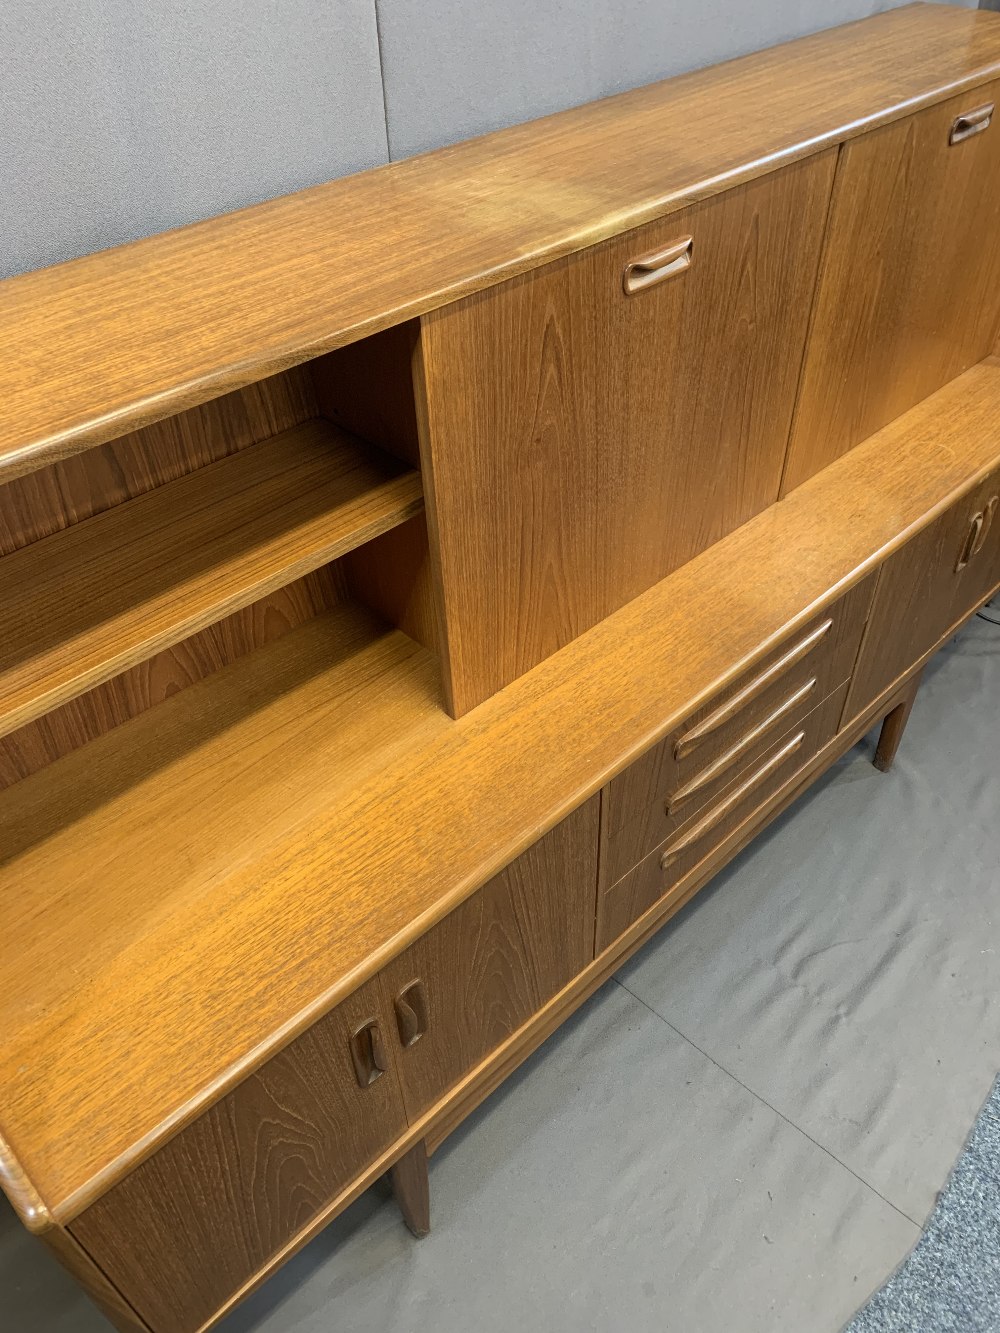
<point x="668" y="866"/>
<point x="495" y="960"/>
<point x="201" y="1216"/>
<point x="564" y="414"/>
<point x="76" y="488"/>
<point x="81" y="1267"/>
<point x="411" y="1188"/>
<point x="196" y="312"/>
<point x="32" y="747"/>
<point x="910" y="290"/>
<point x="893" y="727"/>
<point x="269" y="838"/>
<point x="665" y="788"/>
<point x="89" y="602"/>
<point x="922" y="591"/>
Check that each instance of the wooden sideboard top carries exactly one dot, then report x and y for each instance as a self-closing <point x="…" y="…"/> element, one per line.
<point x="101" y="345"/>
<point x="192" y="890"/>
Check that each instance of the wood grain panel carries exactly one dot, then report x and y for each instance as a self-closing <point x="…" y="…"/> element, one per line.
<point x="254" y="872"/>
<point x="94" y="1282"/>
<point x="367" y="389"/>
<point x="665" y="870"/>
<point x="56" y="497"/>
<point x="921" y="592"/>
<point x="87" y="603"/>
<point x="583" y="443"/>
<point x="910" y="290"/>
<point x="191" y="314"/>
<point x="83" y="719"/>
<point x="496" y="960"/>
<point x="198" y="1219"/>
<point x="714" y="748"/>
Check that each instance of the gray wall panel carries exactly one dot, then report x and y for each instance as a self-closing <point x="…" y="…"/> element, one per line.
<point x="123" y="117"/>
<point x="455" y="68"/>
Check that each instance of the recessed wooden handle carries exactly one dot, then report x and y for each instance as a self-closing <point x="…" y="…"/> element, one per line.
<point x="411" y="1013"/>
<point x="979" y="530"/>
<point x="651" y="269"/>
<point x="694" y="736"/>
<point x="970" y="123"/>
<point x="724" y="761"/>
<point x="368" y="1053"/>
<point x="718" y="813"/>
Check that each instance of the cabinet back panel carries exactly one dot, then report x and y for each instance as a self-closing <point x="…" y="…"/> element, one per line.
<point x="76" y="488"/>
<point x="909" y="294"/>
<point x="583" y="443"/>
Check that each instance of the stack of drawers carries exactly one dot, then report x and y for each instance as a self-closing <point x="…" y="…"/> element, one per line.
<point x="708" y="783"/>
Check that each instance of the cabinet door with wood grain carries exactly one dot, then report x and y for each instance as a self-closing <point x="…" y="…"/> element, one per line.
<point x="909" y="291"/>
<point x="596" y="423"/>
<point x="933" y="583"/>
<point x="482" y="972"/>
<point x="185" y="1231"/>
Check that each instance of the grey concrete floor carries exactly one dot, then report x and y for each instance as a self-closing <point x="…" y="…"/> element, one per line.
<point x="747" y="1127"/>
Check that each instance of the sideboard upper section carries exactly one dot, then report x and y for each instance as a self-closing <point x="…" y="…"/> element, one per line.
<point x="99" y="346"/>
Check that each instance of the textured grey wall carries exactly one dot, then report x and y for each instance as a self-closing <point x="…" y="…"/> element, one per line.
<point x="123" y="117"/>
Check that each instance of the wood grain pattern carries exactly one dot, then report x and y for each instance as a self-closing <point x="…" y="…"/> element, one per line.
<point x="86" y="1273"/>
<point x="184" y="874"/>
<point x="32" y="747"/>
<point x="56" y="497"/>
<point x="196" y="1221"/>
<point x="641" y="809"/>
<point x="85" y="604"/>
<point x="494" y="961"/>
<point x="367" y="388"/>
<point x="666" y="868"/>
<point x="910" y="292"/>
<point x="411" y="1188"/>
<point x="893" y="727"/>
<point x="563" y="414"/>
<point x="191" y="314"/>
<point x="920" y="594"/>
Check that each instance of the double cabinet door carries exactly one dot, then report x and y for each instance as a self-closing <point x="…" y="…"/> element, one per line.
<point x="597" y="423"/>
<point x="190" y="1227"/>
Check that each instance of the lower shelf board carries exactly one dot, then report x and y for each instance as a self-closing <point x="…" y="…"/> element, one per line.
<point x="84" y="604"/>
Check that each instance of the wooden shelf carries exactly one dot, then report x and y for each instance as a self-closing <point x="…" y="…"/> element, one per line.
<point x="86" y="603"/>
<point x="254" y="848"/>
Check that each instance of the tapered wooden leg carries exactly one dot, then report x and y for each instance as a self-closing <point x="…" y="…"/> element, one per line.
<point x="894" y="725"/>
<point x="411" y="1186"/>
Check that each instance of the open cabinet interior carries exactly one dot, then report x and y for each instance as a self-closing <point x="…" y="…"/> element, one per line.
<point x="136" y="569"/>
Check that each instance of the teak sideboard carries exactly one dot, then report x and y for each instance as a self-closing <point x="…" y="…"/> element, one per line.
<point x="414" y="589"/>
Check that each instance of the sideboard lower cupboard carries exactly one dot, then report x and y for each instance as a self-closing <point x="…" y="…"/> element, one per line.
<point x="416" y="588"/>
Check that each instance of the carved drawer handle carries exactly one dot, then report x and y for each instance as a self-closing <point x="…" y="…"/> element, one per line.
<point x="979" y="530"/>
<point x="651" y="269"/>
<point x="719" y="812"/>
<point x="368" y="1053"/>
<point x="710" y="773"/>
<point x="970" y="123"/>
<point x="411" y="1013"/>
<point x="693" y="737"/>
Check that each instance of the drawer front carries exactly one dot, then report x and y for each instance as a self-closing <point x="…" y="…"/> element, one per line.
<point x="467" y="985"/>
<point x="185" y="1231"/>
<point x="926" y="589"/>
<point x="720" y="743"/>
<point x="666" y="871"/>
<point x="909" y="293"/>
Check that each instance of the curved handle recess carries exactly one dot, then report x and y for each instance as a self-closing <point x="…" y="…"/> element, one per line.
<point x="411" y="1013"/>
<point x="672" y="260"/>
<point x="970" y="123"/>
<point x="368" y="1053"/>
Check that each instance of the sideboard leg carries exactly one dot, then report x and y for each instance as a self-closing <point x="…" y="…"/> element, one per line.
<point x="411" y="1186"/>
<point x="894" y="725"/>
